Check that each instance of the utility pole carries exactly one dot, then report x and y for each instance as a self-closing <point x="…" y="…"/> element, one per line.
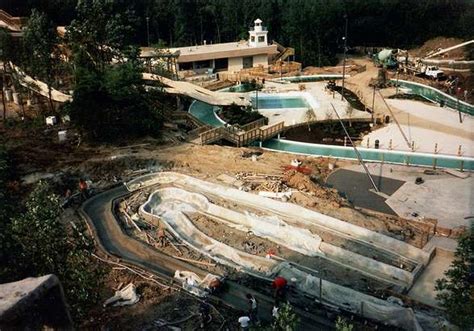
<point x="148" y="31"/>
<point x="359" y="157"/>
<point x="344" y="59"/>
<point x="373" y="105"/>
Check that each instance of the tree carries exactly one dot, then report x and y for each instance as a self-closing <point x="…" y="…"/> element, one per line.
<point x="455" y="290"/>
<point x="40" y="42"/>
<point x="309" y="116"/>
<point x="6" y="54"/>
<point x="343" y="325"/>
<point x="109" y="100"/>
<point x="46" y="246"/>
<point x="287" y="320"/>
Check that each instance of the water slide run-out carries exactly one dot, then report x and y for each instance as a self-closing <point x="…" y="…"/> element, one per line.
<point x="199" y="93"/>
<point x="171" y="205"/>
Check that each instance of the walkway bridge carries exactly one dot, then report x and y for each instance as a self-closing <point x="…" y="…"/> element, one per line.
<point x="199" y="93"/>
<point x="241" y="135"/>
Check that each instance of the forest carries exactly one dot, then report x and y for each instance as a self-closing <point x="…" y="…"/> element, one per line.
<point x="313" y="27"/>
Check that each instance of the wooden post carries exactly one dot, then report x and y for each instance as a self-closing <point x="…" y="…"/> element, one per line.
<point x="412" y="146"/>
<point x="436" y="148"/>
<point x="345" y="141"/>
<point x="434" y="163"/>
<point x="368" y="142"/>
<point x="461" y="168"/>
<point x="390" y="144"/>
<point x="459" y="150"/>
<point x="320" y="290"/>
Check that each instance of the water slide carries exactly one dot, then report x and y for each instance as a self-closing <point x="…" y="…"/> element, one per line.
<point x="200" y="93"/>
<point x="38" y="86"/>
<point x="170" y="205"/>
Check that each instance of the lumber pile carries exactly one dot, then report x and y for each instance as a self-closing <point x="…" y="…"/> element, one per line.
<point x="262" y="182"/>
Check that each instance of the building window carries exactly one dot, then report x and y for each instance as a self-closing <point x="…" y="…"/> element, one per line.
<point x="247" y="62"/>
<point x="261" y="39"/>
<point x="221" y="64"/>
<point x="202" y="64"/>
<point x="185" y="66"/>
<point x="252" y="39"/>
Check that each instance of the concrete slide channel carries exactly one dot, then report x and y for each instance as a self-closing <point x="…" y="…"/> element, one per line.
<point x="171" y="205"/>
<point x="99" y="213"/>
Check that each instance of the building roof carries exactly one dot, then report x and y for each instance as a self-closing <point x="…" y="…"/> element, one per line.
<point x="217" y="51"/>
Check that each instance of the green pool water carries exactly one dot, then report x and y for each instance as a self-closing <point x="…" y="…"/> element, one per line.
<point x="398" y="157"/>
<point x="205" y="112"/>
<point x="435" y="95"/>
<point x="276" y="102"/>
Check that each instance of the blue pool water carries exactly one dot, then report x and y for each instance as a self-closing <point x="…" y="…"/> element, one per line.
<point x="400" y="157"/>
<point x="273" y="102"/>
<point x="205" y="112"/>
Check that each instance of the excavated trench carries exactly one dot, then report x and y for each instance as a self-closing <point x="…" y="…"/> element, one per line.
<point x="168" y="206"/>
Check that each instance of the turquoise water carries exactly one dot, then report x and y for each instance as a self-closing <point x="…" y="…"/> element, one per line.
<point x="205" y="112"/>
<point x="436" y="96"/>
<point x="272" y="102"/>
<point x="442" y="161"/>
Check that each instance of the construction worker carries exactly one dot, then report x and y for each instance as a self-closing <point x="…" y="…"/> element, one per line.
<point x="253" y="308"/>
<point x="279" y="285"/>
<point x="83" y="187"/>
<point x="161" y="237"/>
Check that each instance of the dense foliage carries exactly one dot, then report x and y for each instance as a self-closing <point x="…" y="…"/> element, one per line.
<point x="313" y="27"/>
<point x="235" y="114"/>
<point x="37" y="242"/>
<point x="456" y="289"/>
<point x="109" y="99"/>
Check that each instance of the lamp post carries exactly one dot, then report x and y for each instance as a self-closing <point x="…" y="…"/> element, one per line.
<point x="148" y="31"/>
<point x="344" y="59"/>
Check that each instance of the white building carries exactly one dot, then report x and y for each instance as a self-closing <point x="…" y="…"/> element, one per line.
<point x="231" y="57"/>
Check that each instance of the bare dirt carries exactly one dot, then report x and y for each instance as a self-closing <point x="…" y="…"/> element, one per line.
<point x="439" y="43"/>
<point x="250" y="243"/>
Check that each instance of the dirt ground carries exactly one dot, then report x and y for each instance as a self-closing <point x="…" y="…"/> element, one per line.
<point x="254" y="245"/>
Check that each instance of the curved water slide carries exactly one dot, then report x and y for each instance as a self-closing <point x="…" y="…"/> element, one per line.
<point x="300" y="216"/>
<point x="200" y="93"/>
<point x="171" y="206"/>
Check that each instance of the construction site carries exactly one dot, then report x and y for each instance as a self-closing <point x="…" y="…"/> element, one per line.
<point x="351" y="182"/>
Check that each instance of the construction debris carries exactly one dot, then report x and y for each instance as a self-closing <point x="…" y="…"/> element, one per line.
<point x="124" y="297"/>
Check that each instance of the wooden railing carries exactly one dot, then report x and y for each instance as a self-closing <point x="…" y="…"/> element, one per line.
<point x="239" y="137"/>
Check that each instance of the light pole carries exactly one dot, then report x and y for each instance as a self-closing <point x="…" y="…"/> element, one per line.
<point x="344" y="59"/>
<point x="148" y="31"/>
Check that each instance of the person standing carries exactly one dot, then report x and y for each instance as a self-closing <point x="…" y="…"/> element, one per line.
<point x="279" y="285"/>
<point x="253" y="308"/>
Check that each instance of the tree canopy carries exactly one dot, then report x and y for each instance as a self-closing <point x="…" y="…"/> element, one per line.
<point x="456" y="289"/>
<point x="314" y="27"/>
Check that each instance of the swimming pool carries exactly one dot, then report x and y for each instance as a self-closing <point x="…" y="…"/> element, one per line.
<point x="376" y="155"/>
<point x="274" y="102"/>
<point x="205" y="113"/>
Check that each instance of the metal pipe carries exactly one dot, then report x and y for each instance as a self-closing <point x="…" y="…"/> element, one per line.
<point x="359" y="157"/>
<point x="396" y="121"/>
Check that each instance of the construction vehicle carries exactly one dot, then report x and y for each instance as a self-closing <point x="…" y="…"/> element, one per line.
<point x="433" y="72"/>
<point x="386" y="58"/>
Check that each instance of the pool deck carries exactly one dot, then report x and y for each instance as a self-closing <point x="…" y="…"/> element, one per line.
<point x="426" y="124"/>
<point x="442" y="196"/>
<point x="318" y="98"/>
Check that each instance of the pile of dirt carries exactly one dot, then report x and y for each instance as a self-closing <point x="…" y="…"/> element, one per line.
<point x="302" y="182"/>
<point x="435" y="44"/>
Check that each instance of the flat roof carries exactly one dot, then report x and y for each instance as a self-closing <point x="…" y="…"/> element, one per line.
<point x="215" y="51"/>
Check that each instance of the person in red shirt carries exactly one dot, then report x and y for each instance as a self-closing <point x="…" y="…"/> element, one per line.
<point x="279" y="284"/>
